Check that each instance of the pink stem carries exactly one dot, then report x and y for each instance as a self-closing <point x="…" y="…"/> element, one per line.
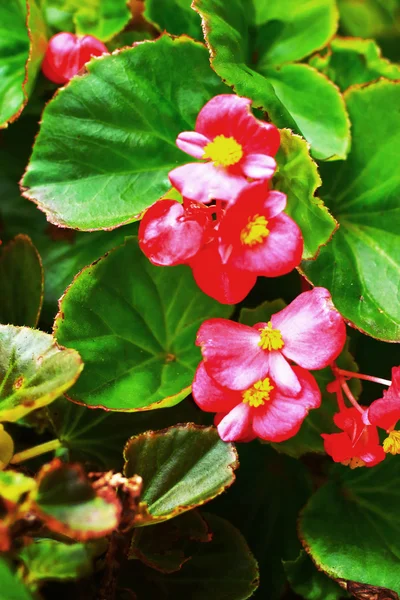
<point x="350" y="396"/>
<point x="366" y="377"/>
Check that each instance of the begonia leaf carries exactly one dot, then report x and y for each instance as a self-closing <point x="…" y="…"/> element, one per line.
<point x="350" y="526"/>
<point x="141" y="353"/>
<point x="182" y="467"/>
<point x="349" y="61"/>
<point x="297" y="176"/>
<point x="310" y="583"/>
<point x="293" y="95"/>
<point x="6" y="448"/>
<point x="14" y="485"/>
<point x="174" y="16"/>
<point x="34" y="370"/>
<point x="68" y="503"/>
<point x="360" y="266"/>
<point x="133" y="104"/>
<point x="100" y="18"/>
<point x="46" y="559"/>
<point x="22" y="46"/>
<point x="21" y="277"/>
<point x="223" y="568"/>
<point x="12" y="587"/>
<point x="172" y="543"/>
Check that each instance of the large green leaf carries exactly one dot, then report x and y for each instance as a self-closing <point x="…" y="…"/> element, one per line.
<point x="22" y="47"/>
<point x="182" y="467"/>
<point x="21" y="277"/>
<point x="68" y="503"/>
<point x="101" y="18"/>
<point x="349" y="61"/>
<point x="297" y="176"/>
<point x="250" y="44"/>
<point x="126" y="113"/>
<point x="135" y="326"/>
<point x="307" y="581"/>
<point x="34" y="371"/>
<point x="12" y="587"/>
<point x="351" y="525"/>
<point x="174" y="16"/>
<point x="361" y="265"/>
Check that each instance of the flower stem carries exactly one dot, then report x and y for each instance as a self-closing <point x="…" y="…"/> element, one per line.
<point x="366" y="377"/>
<point x="35" y="451"/>
<point x="350" y="396"/>
<point x="340" y="401"/>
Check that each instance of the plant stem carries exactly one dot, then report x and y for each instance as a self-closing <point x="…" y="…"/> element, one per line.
<point x="366" y="377"/>
<point x="35" y="451"/>
<point x="350" y="396"/>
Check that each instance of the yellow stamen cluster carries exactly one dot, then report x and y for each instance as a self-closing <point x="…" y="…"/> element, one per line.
<point x="392" y="443"/>
<point x="271" y="339"/>
<point x="223" y="151"/>
<point x="354" y="463"/>
<point x="255" y="231"/>
<point x="258" y="394"/>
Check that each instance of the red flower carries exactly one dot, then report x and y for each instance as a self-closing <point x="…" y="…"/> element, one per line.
<point x="260" y="410"/>
<point x="385" y="413"/>
<point x="67" y="53"/>
<point x="235" y="145"/>
<point x="309" y="332"/>
<point x="358" y="445"/>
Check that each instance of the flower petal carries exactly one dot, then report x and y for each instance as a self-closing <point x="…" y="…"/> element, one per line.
<point x="338" y="446"/>
<point x="385" y="412"/>
<point x="192" y="143"/>
<point x="258" y="166"/>
<point x="204" y="182"/>
<point x="312" y="329"/>
<point x="221" y="281"/>
<point x="210" y="396"/>
<point x="231" y="353"/>
<point x="283" y="374"/>
<point x="236" y="425"/>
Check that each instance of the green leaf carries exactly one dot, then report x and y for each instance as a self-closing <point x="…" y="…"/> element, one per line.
<point x="171" y="544"/>
<point x="22" y="47"/>
<point x="14" y="485"/>
<point x="174" y="16"/>
<point x="350" y="61"/>
<point x="22" y="282"/>
<point x="262" y="313"/>
<point x="351" y="525"/>
<point x="69" y="505"/>
<point x="6" y="448"/>
<point x="134" y="104"/>
<point x="182" y="467"/>
<point x="34" y="371"/>
<point x="142" y="353"/>
<point x="46" y="559"/>
<point x="223" y="568"/>
<point x="293" y="95"/>
<point x="361" y="265"/>
<point x="307" y="581"/>
<point x="101" y="18"/>
<point x="297" y="176"/>
<point x="12" y="588"/>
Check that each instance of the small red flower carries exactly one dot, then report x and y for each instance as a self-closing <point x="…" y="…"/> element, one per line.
<point x="309" y="332"/>
<point x="67" y="53"/>
<point x="234" y="144"/>
<point x="358" y="445"/>
<point x="260" y="410"/>
<point x="385" y="413"/>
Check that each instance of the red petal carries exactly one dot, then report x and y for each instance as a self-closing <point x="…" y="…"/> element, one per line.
<point x="385" y="412"/>
<point x="67" y="53"/>
<point x="236" y="424"/>
<point x="338" y="446"/>
<point x="210" y="396"/>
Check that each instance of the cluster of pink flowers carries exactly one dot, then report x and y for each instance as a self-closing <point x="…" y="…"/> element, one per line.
<point x="231" y="226"/>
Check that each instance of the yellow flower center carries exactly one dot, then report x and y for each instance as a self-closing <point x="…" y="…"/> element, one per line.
<point x="271" y="339"/>
<point x="255" y="231"/>
<point x="392" y="443"/>
<point x="354" y="463"/>
<point x="258" y="394"/>
<point x="223" y="151"/>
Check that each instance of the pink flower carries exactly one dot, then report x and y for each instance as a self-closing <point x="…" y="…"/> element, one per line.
<point x="260" y="410"/>
<point x="235" y="145"/>
<point x="385" y="413"/>
<point x="358" y="445"/>
<point x="309" y="332"/>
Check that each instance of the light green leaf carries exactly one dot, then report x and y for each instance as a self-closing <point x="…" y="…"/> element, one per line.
<point x="182" y="467"/>
<point x="361" y="265"/>
<point x="133" y="104"/>
<point x="22" y="47"/>
<point x="141" y="354"/>
<point x="11" y="586"/>
<point x="174" y="16"/>
<point x="6" y="448"/>
<point x="34" y="371"/>
<point x="14" y="485"/>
